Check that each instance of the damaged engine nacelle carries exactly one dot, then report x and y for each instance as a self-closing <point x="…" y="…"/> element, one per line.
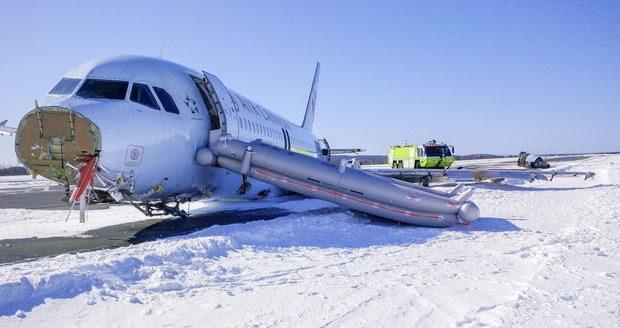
<point x="532" y="161"/>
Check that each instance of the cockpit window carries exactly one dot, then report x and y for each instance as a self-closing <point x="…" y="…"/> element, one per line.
<point x="441" y="151"/>
<point x="103" y="89"/>
<point x="166" y="100"/>
<point x="65" y="86"/>
<point x="141" y="94"/>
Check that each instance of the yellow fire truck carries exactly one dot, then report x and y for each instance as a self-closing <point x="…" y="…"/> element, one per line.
<point x="428" y="155"/>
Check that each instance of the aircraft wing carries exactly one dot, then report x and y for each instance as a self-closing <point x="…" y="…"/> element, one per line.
<point x="346" y="151"/>
<point x="426" y="176"/>
<point x="5" y="130"/>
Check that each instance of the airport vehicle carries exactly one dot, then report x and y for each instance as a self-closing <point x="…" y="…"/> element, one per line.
<point x="5" y="130"/>
<point x="152" y="133"/>
<point x="428" y="155"/>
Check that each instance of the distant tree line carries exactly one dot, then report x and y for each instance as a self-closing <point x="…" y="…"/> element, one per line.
<point x="13" y="170"/>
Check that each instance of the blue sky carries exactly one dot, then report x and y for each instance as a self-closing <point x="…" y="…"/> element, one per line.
<point x="485" y="76"/>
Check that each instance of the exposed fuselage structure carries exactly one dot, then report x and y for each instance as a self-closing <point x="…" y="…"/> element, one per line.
<point x="159" y="132"/>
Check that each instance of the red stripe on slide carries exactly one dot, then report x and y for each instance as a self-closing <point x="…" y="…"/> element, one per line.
<point x="333" y="193"/>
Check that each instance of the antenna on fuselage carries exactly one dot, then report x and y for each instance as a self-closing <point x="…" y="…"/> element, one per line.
<point x="161" y="52"/>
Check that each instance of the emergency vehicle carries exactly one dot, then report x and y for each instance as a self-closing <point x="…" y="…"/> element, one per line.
<point x="428" y="155"/>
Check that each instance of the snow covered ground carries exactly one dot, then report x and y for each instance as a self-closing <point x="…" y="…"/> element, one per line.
<point x="543" y="254"/>
<point x="26" y="223"/>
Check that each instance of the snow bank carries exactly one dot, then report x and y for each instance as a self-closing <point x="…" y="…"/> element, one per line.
<point x="543" y="254"/>
<point x="340" y="228"/>
<point x="155" y="265"/>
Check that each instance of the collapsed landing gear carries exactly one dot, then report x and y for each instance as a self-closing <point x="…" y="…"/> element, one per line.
<point x="426" y="180"/>
<point x="263" y="193"/>
<point x="159" y="208"/>
<point x="163" y="209"/>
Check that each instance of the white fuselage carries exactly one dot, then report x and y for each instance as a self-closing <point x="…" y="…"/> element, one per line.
<point x="5" y="130"/>
<point x="151" y="131"/>
<point x="151" y="152"/>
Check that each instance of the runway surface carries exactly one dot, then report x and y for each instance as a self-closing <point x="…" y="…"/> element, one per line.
<point x="26" y="249"/>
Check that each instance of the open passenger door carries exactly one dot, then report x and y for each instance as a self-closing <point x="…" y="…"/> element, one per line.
<point x="217" y="118"/>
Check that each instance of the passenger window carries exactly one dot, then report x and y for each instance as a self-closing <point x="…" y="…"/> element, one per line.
<point x="166" y="100"/>
<point x="103" y="89"/>
<point x="141" y="94"/>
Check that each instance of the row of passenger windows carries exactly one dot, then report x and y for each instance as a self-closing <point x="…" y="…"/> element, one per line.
<point x="141" y="94"/>
<point x="258" y="128"/>
<point x="241" y="103"/>
<point x="117" y="90"/>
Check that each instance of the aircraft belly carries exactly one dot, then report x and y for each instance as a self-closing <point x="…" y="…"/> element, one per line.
<point x="224" y="184"/>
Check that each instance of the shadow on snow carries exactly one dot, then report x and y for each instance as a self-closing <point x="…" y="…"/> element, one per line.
<point x="332" y="227"/>
<point x="508" y="187"/>
<point x="339" y="228"/>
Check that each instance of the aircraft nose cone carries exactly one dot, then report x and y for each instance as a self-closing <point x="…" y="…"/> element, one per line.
<point x="469" y="212"/>
<point x="48" y="138"/>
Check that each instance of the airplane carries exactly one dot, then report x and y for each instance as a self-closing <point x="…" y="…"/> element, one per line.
<point x="472" y="175"/>
<point x="150" y="132"/>
<point x="532" y="161"/>
<point x="5" y="130"/>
